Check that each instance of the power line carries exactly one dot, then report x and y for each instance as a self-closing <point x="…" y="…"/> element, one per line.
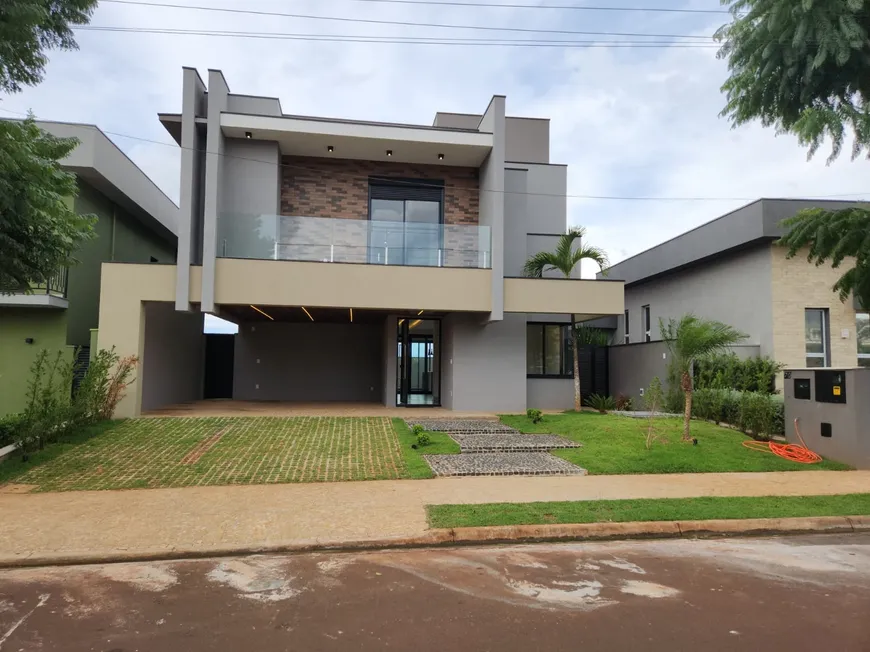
<point x="501" y="5"/>
<point x="423" y="183"/>
<point x="371" y="21"/>
<point x="401" y="40"/>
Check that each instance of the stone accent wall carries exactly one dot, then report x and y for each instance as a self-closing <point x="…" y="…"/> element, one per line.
<point x="797" y="285"/>
<point x="325" y="187"/>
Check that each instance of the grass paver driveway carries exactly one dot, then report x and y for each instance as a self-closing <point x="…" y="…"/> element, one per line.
<point x="185" y="452"/>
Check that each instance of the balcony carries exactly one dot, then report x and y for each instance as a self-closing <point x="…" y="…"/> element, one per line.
<point x="281" y="260"/>
<point x="50" y="294"/>
<point x="367" y="242"/>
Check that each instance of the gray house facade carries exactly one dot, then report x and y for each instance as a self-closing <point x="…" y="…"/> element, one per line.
<point x="362" y="261"/>
<point x="731" y="270"/>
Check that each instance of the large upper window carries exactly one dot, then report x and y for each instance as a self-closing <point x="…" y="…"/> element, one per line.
<point x="548" y="350"/>
<point x="862" y="334"/>
<point x="406" y="221"/>
<point x="817" y="337"/>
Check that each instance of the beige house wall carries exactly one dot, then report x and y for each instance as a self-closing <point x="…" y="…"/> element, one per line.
<point x="123" y="289"/>
<point x="797" y="285"/>
<point x="585" y="298"/>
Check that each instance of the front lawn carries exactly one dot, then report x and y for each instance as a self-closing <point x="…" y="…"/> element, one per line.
<point x="184" y="452"/>
<point x="660" y="509"/>
<point x="614" y="445"/>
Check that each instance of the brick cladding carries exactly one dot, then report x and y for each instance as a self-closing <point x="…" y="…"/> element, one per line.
<point x="323" y="187"/>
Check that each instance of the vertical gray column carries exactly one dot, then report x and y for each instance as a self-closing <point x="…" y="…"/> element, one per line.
<point x="492" y="198"/>
<point x="217" y="103"/>
<point x="192" y="105"/>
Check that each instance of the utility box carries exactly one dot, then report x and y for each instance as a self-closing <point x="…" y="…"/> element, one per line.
<point x="832" y="408"/>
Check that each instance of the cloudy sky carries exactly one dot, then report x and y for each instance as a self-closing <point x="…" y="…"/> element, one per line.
<point x="629" y="122"/>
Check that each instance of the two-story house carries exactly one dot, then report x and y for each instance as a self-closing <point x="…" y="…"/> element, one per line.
<point x="363" y="261"/>
<point x="135" y="223"/>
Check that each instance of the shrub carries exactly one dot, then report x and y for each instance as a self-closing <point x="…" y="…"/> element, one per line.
<point x="416" y="430"/>
<point x="423" y="439"/>
<point x="51" y="410"/>
<point x="758" y="413"/>
<point x="601" y="403"/>
<point x="9" y="427"/>
<point x="623" y="403"/>
<point x="535" y="416"/>
<point x="727" y="371"/>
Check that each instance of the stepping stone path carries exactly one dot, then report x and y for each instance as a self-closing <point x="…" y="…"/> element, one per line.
<point x="489" y="447"/>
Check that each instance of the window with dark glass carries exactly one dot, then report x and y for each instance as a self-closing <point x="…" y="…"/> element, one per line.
<point x="647" y="329"/>
<point x="862" y="334"/>
<point x="548" y="350"/>
<point x="818" y="343"/>
<point x="406" y="217"/>
<point x="627" y="336"/>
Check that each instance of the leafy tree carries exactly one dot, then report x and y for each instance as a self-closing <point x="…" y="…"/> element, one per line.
<point x="803" y="67"/>
<point x="689" y="339"/>
<point x="565" y="259"/>
<point x="39" y="230"/>
<point x="28" y="28"/>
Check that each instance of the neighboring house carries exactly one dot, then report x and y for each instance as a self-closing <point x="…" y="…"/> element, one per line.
<point x="731" y="270"/>
<point x="362" y="261"/>
<point x="136" y="224"/>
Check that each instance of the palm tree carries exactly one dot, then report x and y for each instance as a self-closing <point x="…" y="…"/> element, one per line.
<point x="690" y="338"/>
<point x="565" y="259"/>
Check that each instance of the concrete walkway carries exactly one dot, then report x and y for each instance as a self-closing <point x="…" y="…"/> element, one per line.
<point x="216" y="519"/>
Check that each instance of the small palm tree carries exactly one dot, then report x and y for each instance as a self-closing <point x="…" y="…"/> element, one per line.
<point x="565" y="259"/>
<point x="690" y="338"/>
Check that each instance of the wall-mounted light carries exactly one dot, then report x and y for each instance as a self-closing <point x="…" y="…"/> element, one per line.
<point x="441" y="157"/>
<point x="351" y="315"/>
<point x="248" y="135"/>
<point x="263" y="312"/>
<point x="389" y="152"/>
<point x="28" y="340"/>
<point x="307" y="313"/>
<point x="330" y="148"/>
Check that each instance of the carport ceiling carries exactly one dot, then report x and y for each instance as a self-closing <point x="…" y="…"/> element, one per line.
<point x="296" y="314"/>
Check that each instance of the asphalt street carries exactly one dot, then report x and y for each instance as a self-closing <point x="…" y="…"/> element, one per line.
<point x="793" y="593"/>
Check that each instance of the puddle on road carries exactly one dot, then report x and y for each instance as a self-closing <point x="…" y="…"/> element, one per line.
<point x="258" y="578"/>
<point x="648" y="589"/>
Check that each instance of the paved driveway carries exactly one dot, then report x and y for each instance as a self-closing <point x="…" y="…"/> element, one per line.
<point x="186" y="452"/>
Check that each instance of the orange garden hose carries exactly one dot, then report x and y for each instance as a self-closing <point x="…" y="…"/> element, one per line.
<point x="791" y="452"/>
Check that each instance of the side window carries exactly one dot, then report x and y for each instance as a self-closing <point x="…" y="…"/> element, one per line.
<point x="627" y="333"/>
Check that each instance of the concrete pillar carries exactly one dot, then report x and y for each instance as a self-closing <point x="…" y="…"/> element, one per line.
<point x="217" y="103"/>
<point x="492" y="198"/>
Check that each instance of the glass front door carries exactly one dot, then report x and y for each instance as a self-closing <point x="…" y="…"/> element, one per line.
<point x="418" y="362"/>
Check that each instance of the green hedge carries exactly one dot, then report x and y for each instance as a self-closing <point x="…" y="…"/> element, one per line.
<point x="727" y="371"/>
<point x="757" y="413"/>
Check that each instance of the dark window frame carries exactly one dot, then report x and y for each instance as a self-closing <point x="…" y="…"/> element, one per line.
<point x="825" y="356"/>
<point x="565" y="354"/>
<point x="647" y="323"/>
<point x="626" y="331"/>
<point x="411" y="185"/>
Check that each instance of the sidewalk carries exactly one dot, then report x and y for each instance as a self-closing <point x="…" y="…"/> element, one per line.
<point x="203" y="520"/>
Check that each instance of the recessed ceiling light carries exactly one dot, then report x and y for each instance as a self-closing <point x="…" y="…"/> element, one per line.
<point x="330" y="148"/>
<point x="248" y="134"/>
<point x="389" y="152"/>
<point x="441" y="157"/>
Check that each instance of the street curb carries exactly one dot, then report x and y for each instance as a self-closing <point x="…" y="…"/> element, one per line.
<point x="470" y="536"/>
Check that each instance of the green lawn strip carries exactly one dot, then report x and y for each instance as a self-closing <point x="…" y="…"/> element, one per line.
<point x="417" y="468"/>
<point x="647" y="509"/>
<point x="616" y="445"/>
<point x="14" y="467"/>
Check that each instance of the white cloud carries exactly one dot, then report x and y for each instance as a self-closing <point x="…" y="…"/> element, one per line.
<point x="628" y="122"/>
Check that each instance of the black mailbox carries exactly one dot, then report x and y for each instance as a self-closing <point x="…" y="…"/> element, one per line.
<point x="802" y="389"/>
<point x="830" y="386"/>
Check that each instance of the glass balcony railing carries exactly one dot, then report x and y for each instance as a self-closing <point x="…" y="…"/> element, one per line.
<point x="336" y="240"/>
